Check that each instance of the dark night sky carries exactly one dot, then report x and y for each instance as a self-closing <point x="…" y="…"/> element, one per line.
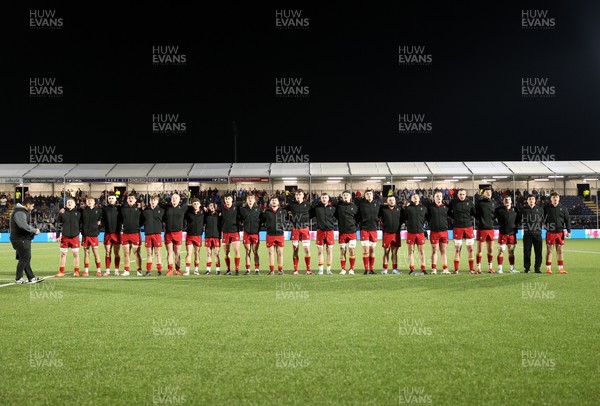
<point x="471" y="93"/>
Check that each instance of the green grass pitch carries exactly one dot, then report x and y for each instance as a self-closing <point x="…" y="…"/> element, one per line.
<point x="305" y="340"/>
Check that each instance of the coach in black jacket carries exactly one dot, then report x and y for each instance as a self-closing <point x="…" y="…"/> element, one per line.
<point x="532" y="217"/>
<point x="21" y="234"/>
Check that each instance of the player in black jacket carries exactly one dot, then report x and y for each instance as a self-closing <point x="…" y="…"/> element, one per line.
<point x="194" y="220"/>
<point x="68" y="223"/>
<point x="153" y="226"/>
<point x="368" y="215"/>
<point x="391" y="223"/>
<point x="299" y="212"/>
<point x="557" y="221"/>
<point x="437" y="219"/>
<point x="462" y="211"/>
<point x="112" y="223"/>
<point x="250" y="218"/>
<point x="91" y="219"/>
<point x="484" y="218"/>
<point x="275" y="219"/>
<point x="414" y="217"/>
<point x="508" y="219"/>
<point x="213" y="226"/>
<point x="174" y="213"/>
<point x="131" y="240"/>
<point x="231" y="232"/>
<point x="346" y="213"/>
<point x="324" y="212"/>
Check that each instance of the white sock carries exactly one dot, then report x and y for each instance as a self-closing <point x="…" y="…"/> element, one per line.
<point x="328" y="268"/>
<point x="218" y="269"/>
<point x="499" y="267"/>
<point x="187" y="268"/>
<point x="321" y="268"/>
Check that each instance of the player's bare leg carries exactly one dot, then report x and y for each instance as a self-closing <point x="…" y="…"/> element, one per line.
<point x="138" y="259"/>
<point x="366" y="257"/>
<point x="75" y="252"/>
<point x="98" y="262"/>
<point x="295" y="254"/>
<point x="343" y="259"/>
<point x="86" y="260"/>
<point x="490" y="255"/>
<point x="444" y="257"/>
<point x="170" y="258"/>
<point x="549" y="249"/>
<point x="329" y="258"/>
<point x="279" y="260"/>
<point x="177" y="255"/>
<point x="126" y="258"/>
<point x="248" y="249"/>
<point x="189" y="250"/>
<point x="306" y="246"/>
<point x="395" y="259"/>
<point x="107" y="250"/>
<point x="386" y="259"/>
<point x="227" y="259"/>
<point x="208" y="260"/>
<point x="479" y="255"/>
<point x="256" y="257"/>
<point x="411" y="258"/>
<point x="271" y="251"/>
<point x="116" y="250"/>
<point x="434" y="255"/>
<point x="196" y="260"/>
<point x="62" y="261"/>
<point x="320" y="258"/>
<point x="372" y="258"/>
<point x="421" y="249"/>
<point x="560" y="258"/>
<point x="236" y="256"/>
<point x="470" y="254"/>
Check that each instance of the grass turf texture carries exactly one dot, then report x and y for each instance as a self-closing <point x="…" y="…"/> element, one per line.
<point x="376" y="339"/>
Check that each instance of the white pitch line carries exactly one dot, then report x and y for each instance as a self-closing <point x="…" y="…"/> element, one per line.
<point x="15" y="283"/>
<point x="583" y="252"/>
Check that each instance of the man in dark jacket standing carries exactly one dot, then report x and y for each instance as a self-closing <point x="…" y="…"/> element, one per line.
<point x="532" y="217"/>
<point x="21" y="234"/>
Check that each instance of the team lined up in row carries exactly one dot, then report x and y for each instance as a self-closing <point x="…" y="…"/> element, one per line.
<point x="122" y="226"/>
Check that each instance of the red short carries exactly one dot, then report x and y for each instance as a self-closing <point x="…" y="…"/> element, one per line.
<point x="485" y="235"/>
<point x="463" y="232"/>
<point x="391" y="240"/>
<point x="438" y="237"/>
<point x="69" y="242"/>
<point x="112" y="238"/>
<point x="325" y="237"/>
<point x="153" y="240"/>
<point x="211" y="242"/>
<point x="89" y="241"/>
<point x="507" y="239"/>
<point x="368" y="235"/>
<point x="300" y="234"/>
<point x="251" y="238"/>
<point x="344" y="238"/>
<point x="555" y="238"/>
<point x="275" y="240"/>
<point x="173" y="237"/>
<point x="228" y="238"/>
<point x="419" y="238"/>
<point x="195" y="240"/>
<point x="133" y="239"/>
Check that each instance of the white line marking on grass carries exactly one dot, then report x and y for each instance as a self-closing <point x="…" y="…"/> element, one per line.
<point x="15" y="283"/>
<point x="583" y="252"/>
